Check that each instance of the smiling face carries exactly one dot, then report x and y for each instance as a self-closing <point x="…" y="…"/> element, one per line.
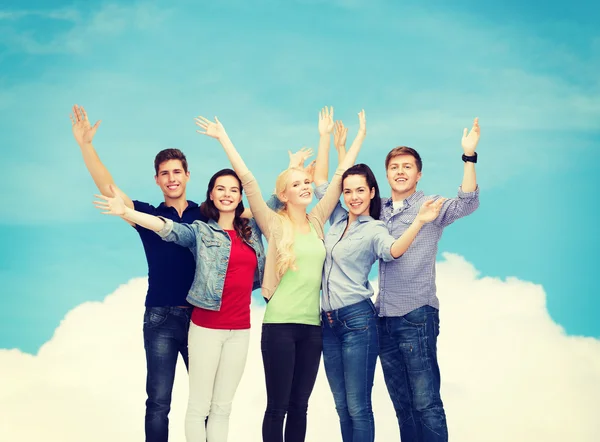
<point x="403" y="176"/>
<point x="297" y="191"/>
<point x="172" y="179"/>
<point x="357" y="195"/>
<point x="226" y="193"/>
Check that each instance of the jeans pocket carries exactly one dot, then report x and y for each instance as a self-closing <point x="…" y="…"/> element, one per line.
<point x="359" y="322"/>
<point x="417" y="317"/>
<point x="155" y="316"/>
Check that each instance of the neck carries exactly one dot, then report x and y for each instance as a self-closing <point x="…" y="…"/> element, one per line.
<point x="226" y="220"/>
<point x="401" y="196"/>
<point x="297" y="215"/>
<point x="179" y="204"/>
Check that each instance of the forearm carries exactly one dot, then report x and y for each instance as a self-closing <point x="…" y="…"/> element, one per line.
<point x="402" y="244"/>
<point x="350" y="157"/>
<point x="150" y="222"/>
<point x="322" y="165"/>
<point x="100" y="174"/>
<point x="469" y="182"/>
<point x="234" y="157"/>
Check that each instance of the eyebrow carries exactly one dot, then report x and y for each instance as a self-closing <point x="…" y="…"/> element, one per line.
<point x="173" y="170"/>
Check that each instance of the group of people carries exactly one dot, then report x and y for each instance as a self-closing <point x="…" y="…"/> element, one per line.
<point x="205" y="260"/>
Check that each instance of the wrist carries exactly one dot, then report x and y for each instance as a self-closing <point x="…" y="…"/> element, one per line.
<point x="469" y="157"/>
<point x="128" y="212"/>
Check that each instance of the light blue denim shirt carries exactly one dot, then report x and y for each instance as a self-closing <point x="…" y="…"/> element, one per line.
<point x="349" y="258"/>
<point x="211" y="247"/>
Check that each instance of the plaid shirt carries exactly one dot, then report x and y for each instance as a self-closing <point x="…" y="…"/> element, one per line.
<point x="408" y="282"/>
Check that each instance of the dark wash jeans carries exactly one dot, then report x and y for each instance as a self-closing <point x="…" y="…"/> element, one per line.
<point x="165" y="337"/>
<point x="350" y="350"/>
<point x="408" y="352"/>
<point x="291" y="356"/>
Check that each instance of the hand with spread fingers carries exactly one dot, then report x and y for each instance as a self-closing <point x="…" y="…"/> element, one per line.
<point x="298" y="158"/>
<point x="430" y="210"/>
<point x="326" y="121"/>
<point x="111" y="205"/>
<point x="83" y="131"/>
<point x="209" y="128"/>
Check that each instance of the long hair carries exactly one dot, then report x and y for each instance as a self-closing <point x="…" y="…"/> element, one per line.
<point x="365" y="171"/>
<point x="208" y="209"/>
<point x="286" y="258"/>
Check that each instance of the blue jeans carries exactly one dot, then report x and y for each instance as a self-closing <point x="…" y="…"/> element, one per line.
<point x="408" y="352"/>
<point x="350" y="350"/>
<point x="165" y="337"/>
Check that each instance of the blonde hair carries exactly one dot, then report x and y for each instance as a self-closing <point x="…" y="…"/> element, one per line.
<point x="286" y="258"/>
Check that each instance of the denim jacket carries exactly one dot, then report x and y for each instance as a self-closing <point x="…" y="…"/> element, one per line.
<point x="211" y="247"/>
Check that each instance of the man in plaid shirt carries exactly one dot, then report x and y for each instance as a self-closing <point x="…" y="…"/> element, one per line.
<point x="407" y="301"/>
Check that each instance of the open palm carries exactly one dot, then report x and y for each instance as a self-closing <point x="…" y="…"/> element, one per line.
<point x="326" y="120"/>
<point x="430" y="210"/>
<point x="83" y="131"/>
<point x="209" y="128"/>
<point x="111" y="206"/>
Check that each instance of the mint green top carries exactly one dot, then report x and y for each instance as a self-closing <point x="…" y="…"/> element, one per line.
<point x="297" y="297"/>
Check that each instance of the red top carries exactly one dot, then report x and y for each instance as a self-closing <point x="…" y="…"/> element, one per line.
<point x="237" y="290"/>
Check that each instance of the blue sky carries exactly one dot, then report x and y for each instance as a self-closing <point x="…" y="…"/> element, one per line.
<point x="421" y="71"/>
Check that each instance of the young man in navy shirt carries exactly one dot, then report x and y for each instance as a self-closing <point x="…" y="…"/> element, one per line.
<point x="170" y="271"/>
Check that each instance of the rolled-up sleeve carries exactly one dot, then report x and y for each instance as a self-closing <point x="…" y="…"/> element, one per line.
<point x="179" y="233"/>
<point x="464" y="204"/>
<point x="382" y="243"/>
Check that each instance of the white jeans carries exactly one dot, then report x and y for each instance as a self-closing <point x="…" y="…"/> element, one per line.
<point x="216" y="363"/>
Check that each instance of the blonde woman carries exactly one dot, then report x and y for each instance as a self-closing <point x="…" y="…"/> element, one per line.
<point x="291" y="340"/>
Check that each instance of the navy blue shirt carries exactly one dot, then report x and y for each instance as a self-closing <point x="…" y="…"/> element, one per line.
<point x="171" y="267"/>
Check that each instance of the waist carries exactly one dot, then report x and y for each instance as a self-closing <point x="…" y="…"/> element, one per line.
<point x="183" y="311"/>
<point x="362" y="307"/>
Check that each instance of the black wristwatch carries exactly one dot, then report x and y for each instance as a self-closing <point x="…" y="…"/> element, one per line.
<point x="471" y="159"/>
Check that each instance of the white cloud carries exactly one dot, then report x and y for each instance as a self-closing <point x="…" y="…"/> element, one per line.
<point x="509" y="373"/>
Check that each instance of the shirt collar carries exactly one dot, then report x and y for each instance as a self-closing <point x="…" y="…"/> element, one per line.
<point x="408" y="201"/>
<point x="163" y="207"/>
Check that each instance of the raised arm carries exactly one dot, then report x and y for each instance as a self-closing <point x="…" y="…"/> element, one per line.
<point x="350" y="157"/>
<point x="427" y="213"/>
<point x="261" y="212"/>
<point x="182" y="234"/>
<point x="84" y="133"/>
<point x="470" y="140"/>
<point x="116" y="206"/>
<point x="467" y="200"/>
<point x="340" y="133"/>
<point x="325" y="207"/>
<point x="325" y="129"/>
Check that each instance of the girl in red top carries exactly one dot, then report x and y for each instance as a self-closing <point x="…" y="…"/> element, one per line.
<point x="218" y="340"/>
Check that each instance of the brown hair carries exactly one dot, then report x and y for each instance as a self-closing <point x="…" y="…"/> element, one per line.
<point x="170" y="154"/>
<point x="208" y="209"/>
<point x="404" y="150"/>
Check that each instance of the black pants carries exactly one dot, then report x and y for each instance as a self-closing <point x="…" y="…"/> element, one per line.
<point x="291" y="356"/>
